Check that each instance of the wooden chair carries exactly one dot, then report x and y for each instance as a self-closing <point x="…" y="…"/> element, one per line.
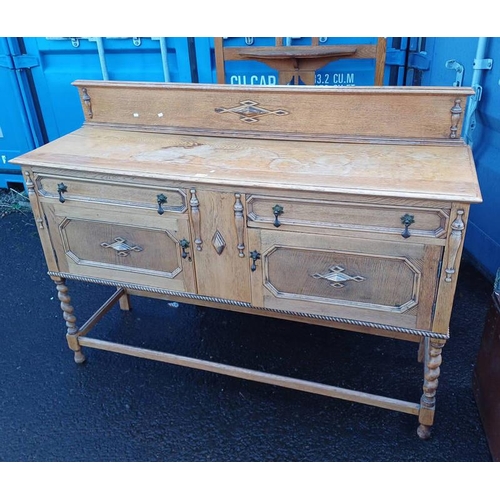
<point x="299" y="62"/>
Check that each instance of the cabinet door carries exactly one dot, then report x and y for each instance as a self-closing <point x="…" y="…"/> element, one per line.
<point x="129" y="247"/>
<point x="368" y="280"/>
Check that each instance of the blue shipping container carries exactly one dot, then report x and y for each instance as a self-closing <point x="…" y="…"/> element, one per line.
<point x="38" y="102"/>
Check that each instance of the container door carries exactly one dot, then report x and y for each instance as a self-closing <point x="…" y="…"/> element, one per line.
<point x="39" y="104"/>
<point x="19" y="129"/>
<point x="63" y="60"/>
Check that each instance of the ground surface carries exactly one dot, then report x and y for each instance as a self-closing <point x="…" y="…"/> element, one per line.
<point x="118" y="408"/>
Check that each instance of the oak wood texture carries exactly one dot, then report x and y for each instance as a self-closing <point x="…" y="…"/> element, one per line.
<point x="360" y="217"/>
<point x="290" y="272"/>
<point x="112" y="193"/>
<point x="223" y="274"/>
<point x="362" y="235"/>
<point x="285" y="112"/>
<point x="159" y="260"/>
<point x="415" y="171"/>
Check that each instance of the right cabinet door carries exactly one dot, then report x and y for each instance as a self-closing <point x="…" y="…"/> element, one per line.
<point x="355" y="278"/>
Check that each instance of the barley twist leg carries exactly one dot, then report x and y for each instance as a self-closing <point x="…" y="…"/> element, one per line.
<point x="69" y="317"/>
<point x="432" y="363"/>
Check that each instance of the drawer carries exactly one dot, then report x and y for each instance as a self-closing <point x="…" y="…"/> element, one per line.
<point x="369" y="280"/>
<point x="111" y="192"/>
<point x="294" y="214"/>
<point x="123" y="247"/>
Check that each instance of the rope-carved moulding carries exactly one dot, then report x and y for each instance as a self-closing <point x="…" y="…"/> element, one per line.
<point x="346" y="321"/>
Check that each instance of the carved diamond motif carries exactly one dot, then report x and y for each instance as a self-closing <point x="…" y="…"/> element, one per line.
<point x="337" y="277"/>
<point x="218" y="242"/>
<point x="121" y="247"/>
<point x="248" y="111"/>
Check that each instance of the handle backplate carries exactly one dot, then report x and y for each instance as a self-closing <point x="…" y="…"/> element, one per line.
<point x="277" y="211"/>
<point x="407" y="220"/>
<point x="255" y="256"/>
<point x="161" y="199"/>
<point x="62" y="188"/>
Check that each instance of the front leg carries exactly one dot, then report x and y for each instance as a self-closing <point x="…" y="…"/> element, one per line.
<point x="72" y="329"/>
<point x="432" y="363"/>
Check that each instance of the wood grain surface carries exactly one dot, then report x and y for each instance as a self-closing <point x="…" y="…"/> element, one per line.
<point x="369" y="112"/>
<point x="415" y="171"/>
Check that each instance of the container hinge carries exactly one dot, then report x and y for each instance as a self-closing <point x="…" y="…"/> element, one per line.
<point x="6" y="62"/>
<point x="482" y="64"/>
<point x="25" y="61"/>
<point x="416" y="60"/>
<point x="395" y="57"/>
<point x="419" y="60"/>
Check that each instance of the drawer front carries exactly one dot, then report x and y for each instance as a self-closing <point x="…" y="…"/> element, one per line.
<point x="109" y="192"/>
<point x="367" y="280"/>
<point x="122" y="247"/>
<point x="289" y="214"/>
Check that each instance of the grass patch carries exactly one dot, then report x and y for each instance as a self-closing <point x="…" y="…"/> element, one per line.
<point x="12" y="201"/>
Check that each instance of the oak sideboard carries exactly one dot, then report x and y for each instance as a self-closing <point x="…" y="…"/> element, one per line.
<point x="344" y="207"/>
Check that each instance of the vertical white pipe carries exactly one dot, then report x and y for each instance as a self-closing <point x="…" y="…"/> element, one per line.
<point x="102" y="58"/>
<point x="163" y="50"/>
<point x="480" y="51"/>
<point x="477" y="74"/>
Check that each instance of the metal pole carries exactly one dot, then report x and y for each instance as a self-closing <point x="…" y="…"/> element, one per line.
<point x="479" y="66"/>
<point x="163" y="49"/>
<point x="102" y="59"/>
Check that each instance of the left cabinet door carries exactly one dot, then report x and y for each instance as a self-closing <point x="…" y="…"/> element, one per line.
<point x="123" y="245"/>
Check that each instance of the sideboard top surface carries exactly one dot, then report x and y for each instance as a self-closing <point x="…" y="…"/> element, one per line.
<point x="437" y="172"/>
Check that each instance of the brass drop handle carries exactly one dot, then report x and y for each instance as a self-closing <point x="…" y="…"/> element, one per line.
<point x="184" y="244"/>
<point x="62" y="188"/>
<point x="255" y="256"/>
<point x="277" y="211"/>
<point x="407" y="220"/>
<point x="161" y="199"/>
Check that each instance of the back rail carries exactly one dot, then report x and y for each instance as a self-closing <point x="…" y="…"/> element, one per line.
<point x="374" y="114"/>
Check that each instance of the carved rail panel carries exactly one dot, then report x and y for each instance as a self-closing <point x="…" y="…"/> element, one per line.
<point x="287" y="112"/>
